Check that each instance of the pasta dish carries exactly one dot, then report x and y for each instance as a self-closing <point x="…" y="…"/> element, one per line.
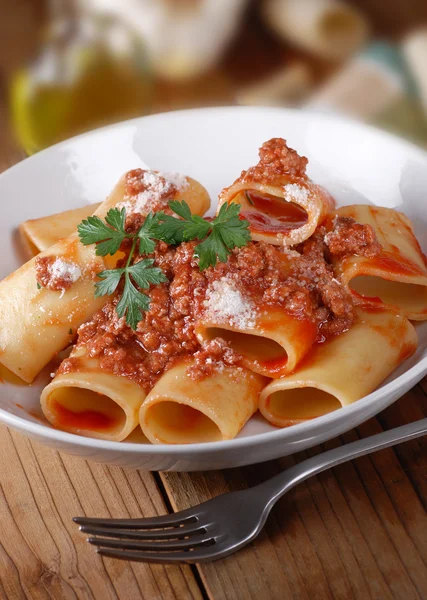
<point x="149" y="314"/>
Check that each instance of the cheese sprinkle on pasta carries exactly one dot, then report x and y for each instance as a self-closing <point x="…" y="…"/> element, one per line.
<point x="224" y="302"/>
<point x="63" y="269"/>
<point x="156" y="187"/>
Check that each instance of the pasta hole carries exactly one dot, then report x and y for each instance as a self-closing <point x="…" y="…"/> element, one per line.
<point x="300" y="404"/>
<point x="270" y="214"/>
<point x="407" y="296"/>
<point x="267" y="352"/>
<point x="78" y="408"/>
<point x="175" y="423"/>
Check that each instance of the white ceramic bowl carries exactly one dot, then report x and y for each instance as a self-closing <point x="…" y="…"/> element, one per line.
<point x="356" y="163"/>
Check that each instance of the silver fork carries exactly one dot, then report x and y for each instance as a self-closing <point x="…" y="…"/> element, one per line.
<point x="224" y="524"/>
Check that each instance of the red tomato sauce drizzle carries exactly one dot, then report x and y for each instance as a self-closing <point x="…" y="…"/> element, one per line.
<point x="397" y="264"/>
<point x="85" y="419"/>
<point x="275" y="365"/>
<point x="272" y="214"/>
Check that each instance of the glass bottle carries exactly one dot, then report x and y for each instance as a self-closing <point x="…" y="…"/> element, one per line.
<point x="92" y="70"/>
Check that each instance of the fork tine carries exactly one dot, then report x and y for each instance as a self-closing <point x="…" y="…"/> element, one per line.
<point x="153" y="546"/>
<point x="157" y="534"/>
<point x="170" y="520"/>
<point x="203" y="554"/>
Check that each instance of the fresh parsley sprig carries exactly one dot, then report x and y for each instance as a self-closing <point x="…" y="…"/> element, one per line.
<point x="108" y="238"/>
<point x="217" y="239"/>
<point x="110" y="235"/>
<point x="225" y="232"/>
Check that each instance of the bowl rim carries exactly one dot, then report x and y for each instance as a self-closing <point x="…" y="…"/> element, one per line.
<point x="286" y="434"/>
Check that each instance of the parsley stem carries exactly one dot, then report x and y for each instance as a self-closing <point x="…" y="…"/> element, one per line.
<point x="132" y="250"/>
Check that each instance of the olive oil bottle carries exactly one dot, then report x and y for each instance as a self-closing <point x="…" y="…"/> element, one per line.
<point x="91" y="70"/>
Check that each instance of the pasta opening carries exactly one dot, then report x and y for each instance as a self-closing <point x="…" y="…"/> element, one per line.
<point x="271" y="214"/>
<point x="409" y="296"/>
<point x="76" y="408"/>
<point x="175" y="423"/>
<point x="268" y="353"/>
<point x="300" y="404"/>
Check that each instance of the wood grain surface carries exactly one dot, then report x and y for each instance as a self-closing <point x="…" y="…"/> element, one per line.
<point x="356" y="532"/>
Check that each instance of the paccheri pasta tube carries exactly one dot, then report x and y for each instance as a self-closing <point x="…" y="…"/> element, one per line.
<point x="90" y="401"/>
<point x="47" y="299"/>
<point x="342" y="370"/>
<point x="281" y="203"/>
<point x="397" y="276"/>
<point x="37" y="322"/>
<point x="146" y="191"/>
<point x="270" y="341"/>
<point x="40" y="234"/>
<point x="179" y="410"/>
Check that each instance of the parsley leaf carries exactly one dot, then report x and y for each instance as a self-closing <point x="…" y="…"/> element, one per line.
<point x="146" y="234"/>
<point x="170" y="229"/>
<point x="107" y="236"/>
<point x="189" y="227"/>
<point x="225" y="232"/>
<point x="181" y="209"/>
<point x="132" y="303"/>
<point x="233" y="230"/>
<point x="143" y="274"/>
<point x="116" y="218"/>
<point x="110" y="280"/>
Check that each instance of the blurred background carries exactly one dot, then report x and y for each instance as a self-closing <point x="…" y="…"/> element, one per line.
<point x="68" y="66"/>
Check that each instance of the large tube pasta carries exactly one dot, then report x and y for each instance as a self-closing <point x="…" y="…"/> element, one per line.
<point x="271" y="344"/>
<point x="396" y="277"/>
<point x="179" y="410"/>
<point x="37" y="322"/>
<point x="40" y="234"/>
<point x="89" y="401"/>
<point x="282" y="205"/>
<point x="155" y="195"/>
<point x="342" y="370"/>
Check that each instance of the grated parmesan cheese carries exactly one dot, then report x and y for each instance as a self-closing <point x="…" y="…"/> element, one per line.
<point x="177" y="179"/>
<point x="295" y="193"/>
<point x="66" y="271"/>
<point x="225" y="303"/>
<point x="157" y="188"/>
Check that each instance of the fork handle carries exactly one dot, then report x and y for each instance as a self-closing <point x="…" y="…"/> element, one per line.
<point x="283" y="482"/>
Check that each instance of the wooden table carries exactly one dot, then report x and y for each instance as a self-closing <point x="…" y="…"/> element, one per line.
<point x="358" y="531"/>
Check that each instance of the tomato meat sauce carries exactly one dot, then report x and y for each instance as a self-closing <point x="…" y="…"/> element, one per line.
<point x="299" y="281"/>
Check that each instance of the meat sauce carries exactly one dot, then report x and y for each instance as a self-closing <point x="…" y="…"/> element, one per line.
<point x="300" y="282"/>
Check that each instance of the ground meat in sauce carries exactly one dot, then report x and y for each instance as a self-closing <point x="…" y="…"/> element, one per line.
<point x="301" y="281"/>
<point x="276" y="160"/>
<point x="50" y="279"/>
<point x="350" y="237"/>
<point x="213" y="355"/>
